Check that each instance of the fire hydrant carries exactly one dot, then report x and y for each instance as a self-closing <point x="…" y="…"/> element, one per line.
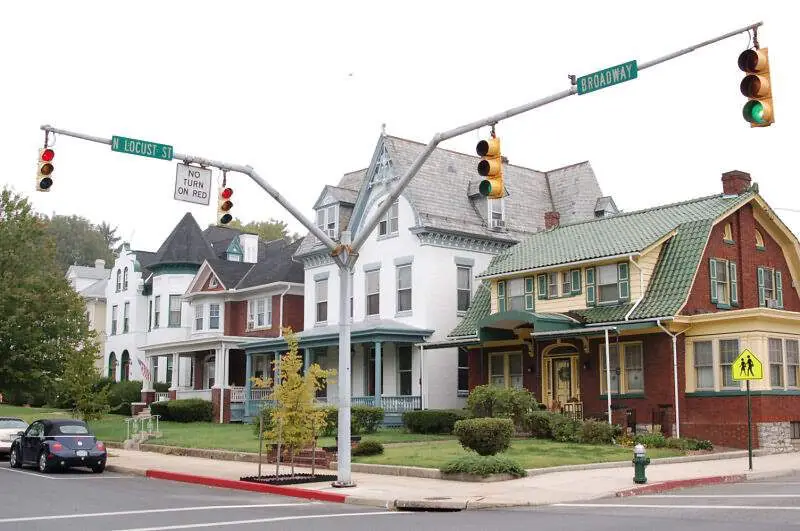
<point x="640" y="461"/>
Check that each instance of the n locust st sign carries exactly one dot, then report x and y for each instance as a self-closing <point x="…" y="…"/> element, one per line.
<point x="607" y="77"/>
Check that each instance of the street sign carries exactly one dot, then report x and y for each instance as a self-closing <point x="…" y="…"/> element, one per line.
<point x="141" y="147"/>
<point x="193" y="184"/>
<point x="607" y="77"/>
<point x="747" y="367"/>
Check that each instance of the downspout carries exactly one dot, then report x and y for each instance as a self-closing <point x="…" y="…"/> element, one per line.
<point x="280" y="321"/>
<point x="674" y="374"/>
<point x="641" y="288"/>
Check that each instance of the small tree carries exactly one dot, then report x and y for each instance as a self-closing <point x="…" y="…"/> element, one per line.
<point x="89" y="401"/>
<point x="295" y="419"/>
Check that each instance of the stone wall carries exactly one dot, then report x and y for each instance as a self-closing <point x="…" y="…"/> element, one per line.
<point x="775" y="436"/>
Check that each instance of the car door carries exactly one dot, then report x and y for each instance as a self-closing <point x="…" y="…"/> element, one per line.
<point x="31" y="441"/>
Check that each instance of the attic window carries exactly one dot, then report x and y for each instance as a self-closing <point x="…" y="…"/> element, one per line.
<point x="212" y="282"/>
<point x="383" y="168"/>
<point x="496" y="213"/>
<point x="328" y="220"/>
<point x="759" y="241"/>
<point x="727" y="234"/>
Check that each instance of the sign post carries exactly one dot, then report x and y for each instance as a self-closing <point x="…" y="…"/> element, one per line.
<point x="748" y="367"/>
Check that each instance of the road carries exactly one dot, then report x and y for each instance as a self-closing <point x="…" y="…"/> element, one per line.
<point x="78" y="500"/>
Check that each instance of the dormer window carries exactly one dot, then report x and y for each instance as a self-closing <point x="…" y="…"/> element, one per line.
<point x="389" y="224"/>
<point x="497" y="213"/>
<point x="212" y="282"/>
<point x="759" y="241"/>
<point x="328" y="220"/>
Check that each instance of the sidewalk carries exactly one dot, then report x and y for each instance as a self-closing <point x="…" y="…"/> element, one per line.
<point x="400" y="492"/>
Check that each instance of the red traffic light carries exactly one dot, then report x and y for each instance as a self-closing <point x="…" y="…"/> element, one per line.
<point x="48" y="155"/>
<point x="226" y="193"/>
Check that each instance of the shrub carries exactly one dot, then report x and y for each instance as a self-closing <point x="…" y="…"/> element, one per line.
<point x="190" y="410"/>
<point x="596" y="432"/>
<point x="363" y="419"/>
<point x="500" y="402"/>
<point x="564" y="428"/>
<point x="367" y="448"/>
<point x="331" y="421"/>
<point x="161" y="409"/>
<point x="432" y="420"/>
<point x="161" y="387"/>
<point x="266" y="413"/>
<point x="484" y="465"/>
<point x="486" y="436"/>
<point x="539" y="424"/>
<point x="694" y="444"/>
<point x="124" y="392"/>
<point x="122" y="409"/>
<point x="650" y="440"/>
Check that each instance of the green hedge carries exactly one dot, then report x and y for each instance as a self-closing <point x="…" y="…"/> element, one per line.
<point x="367" y="448"/>
<point x="160" y="409"/>
<point x="501" y="402"/>
<point x="486" y="436"/>
<point x="539" y="424"/>
<point x="596" y="432"/>
<point x="161" y="387"/>
<point x="124" y="393"/>
<point x="432" y="420"/>
<point x="363" y="420"/>
<point x="484" y="465"/>
<point x="188" y="410"/>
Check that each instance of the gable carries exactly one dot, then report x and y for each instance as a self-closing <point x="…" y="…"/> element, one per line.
<point x="234" y="247"/>
<point x="380" y="173"/>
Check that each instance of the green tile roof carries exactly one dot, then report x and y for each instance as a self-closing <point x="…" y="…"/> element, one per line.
<point x="478" y="309"/>
<point x="603" y="314"/>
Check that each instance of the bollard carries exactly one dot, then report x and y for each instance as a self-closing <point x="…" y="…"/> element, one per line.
<point x="640" y="461"/>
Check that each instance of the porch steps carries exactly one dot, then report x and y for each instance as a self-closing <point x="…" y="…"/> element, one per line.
<point x="144" y="413"/>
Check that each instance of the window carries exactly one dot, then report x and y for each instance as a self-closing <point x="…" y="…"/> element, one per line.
<point x="566" y="282"/>
<point x="463" y="371"/>
<point x="404" y="288"/>
<point x="213" y="316"/>
<point x="724" y="290"/>
<point x="125" y="280"/>
<point x="529" y="304"/>
<point x="792" y="362"/>
<point x="169" y="370"/>
<point x="501" y="295"/>
<point x="515" y="294"/>
<point x="259" y="313"/>
<point x="703" y="365"/>
<point x="212" y="282"/>
<point x="727" y="235"/>
<point x="497" y="213"/>
<point x="174" y="311"/>
<point x="728" y="352"/>
<point x="373" y="292"/>
<point x="198" y="317"/>
<point x="626" y="362"/>
<point x="770" y="288"/>
<point x="119" y="280"/>
<point x="404" y="366"/>
<point x="775" y="362"/>
<point x="463" y="287"/>
<point x="784" y="362"/>
<point x="126" y="317"/>
<point x="232" y="257"/>
<point x="150" y="316"/>
<point x="759" y="241"/>
<point x="505" y="369"/>
<point x="389" y="224"/>
<point x="114" y="311"/>
<point x="327" y="220"/>
<point x="552" y="284"/>
<point x="321" y="291"/>
<point x="157" y="312"/>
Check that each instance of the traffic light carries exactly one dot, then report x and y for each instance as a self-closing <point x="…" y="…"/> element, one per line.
<point x="224" y="205"/>
<point x="756" y="87"/>
<point x="44" y="176"/>
<point x="490" y="168"/>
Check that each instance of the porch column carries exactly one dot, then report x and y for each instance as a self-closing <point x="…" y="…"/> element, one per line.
<point x="248" y="373"/>
<point x="219" y="367"/>
<point x="306" y="359"/>
<point x="147" y="383"/>
<point x="378" y="373"/>
<point x="276" y="355"/>
<point x="176" y="371"/>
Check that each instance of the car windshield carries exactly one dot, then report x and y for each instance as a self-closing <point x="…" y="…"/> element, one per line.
<point x="73" y="429"/>
<point x="9" y="424"/>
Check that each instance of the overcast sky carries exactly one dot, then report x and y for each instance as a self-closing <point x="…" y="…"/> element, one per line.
<point x="299" y="90"/>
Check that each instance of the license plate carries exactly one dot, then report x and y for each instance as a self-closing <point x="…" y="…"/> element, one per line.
<point x="81" y="453"/>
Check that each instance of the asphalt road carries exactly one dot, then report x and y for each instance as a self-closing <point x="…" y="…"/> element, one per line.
<point x="84" y="501"/>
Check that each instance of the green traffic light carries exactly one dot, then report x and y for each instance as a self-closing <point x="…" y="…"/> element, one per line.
<point x="754" y="112"/>
<point x="485" y="187"/>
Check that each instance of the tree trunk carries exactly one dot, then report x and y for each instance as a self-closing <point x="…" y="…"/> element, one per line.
<point x="291" y="457"/>
<point x="278" y="453"/>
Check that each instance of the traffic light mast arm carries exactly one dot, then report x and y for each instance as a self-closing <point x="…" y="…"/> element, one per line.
<point x="372" y="221"/>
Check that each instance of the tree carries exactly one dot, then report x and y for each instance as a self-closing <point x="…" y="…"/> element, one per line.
<point x="43" y="321"/>
<point x="273" y="229"/>
<point x="295" y="419"/>
<point x="80" y="384"/>
<point x="109" y="234"/>
<point x="78" y="242"/>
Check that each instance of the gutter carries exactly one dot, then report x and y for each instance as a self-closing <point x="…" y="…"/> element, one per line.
<point x="564" y="264"/>
<point x="280" y="319"/>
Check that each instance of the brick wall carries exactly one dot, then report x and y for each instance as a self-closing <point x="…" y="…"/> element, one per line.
<point x="236" y="322"/>
<point x="743" y="251"/>
<point x="226" y="411"/>
<point x="235" y="318"/>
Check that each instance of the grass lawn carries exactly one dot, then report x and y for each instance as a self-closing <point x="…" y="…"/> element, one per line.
<point x="530" y="453"/>
<point x="29" y="414"/>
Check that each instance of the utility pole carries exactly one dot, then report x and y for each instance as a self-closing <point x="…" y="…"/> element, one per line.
<point x="345" y="254"/>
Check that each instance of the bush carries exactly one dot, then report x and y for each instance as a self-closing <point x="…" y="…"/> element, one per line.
<point x="363" y="419"/>
<point x="486" y="436"/>
<point x="161" y="387"/>
<point x="650" y="440"/>
<point x="189" y="410"/>
<point x="122" y="409"/>
<point x="539" y="424"/>
<point x="161" y="409"/>
<point x="332" y="421"/>
<point x="484" y="465"/>
<point x="596" y="432"/>
<point x="266" y="413"/>
<point x="565" y="429"/>
<point x="432" y="420"/>
<point x="124" y="392"/>
<point x="367" y="448"/>
<point x="500" y="402"/>
<point x="694" y="444"/>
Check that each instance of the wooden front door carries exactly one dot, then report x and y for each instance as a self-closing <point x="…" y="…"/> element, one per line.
<point x="562" y="379"/>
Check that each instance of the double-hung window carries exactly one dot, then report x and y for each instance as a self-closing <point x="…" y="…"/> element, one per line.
<point x="775" y="362"/>
<point x="463" y="287"/>
<point x="728" y="352"/>
<point x="126" y="317"/>
<point x="463" y="371"/>
<point x="724" y="285"/>
<point x="496" y="213"/>
<point x="626" y="363"/>
<point x="114" y="312"/>
<point x="198" y="317"/>
<point x="174" y="311"/>
<point x="770" y="287"/>
<point x="157" y="311"/>
<point x="327" y="220"/>
<point x="607" y="284"/>
<point x="404" y="288"/>
<point x="552" y="284"/>
<point x="389" y="224"/>
<point x="703" y="365"/>
<point x="321" y="294"/>
<point x="263" y="313"/>
<point x="505" y="369"/>
<point x="404" y="369"/>
<point x="373" y="280"/>
<point x="784" y="362"/>
<point x="515" y="291"/>
<point x="213" y="316"/>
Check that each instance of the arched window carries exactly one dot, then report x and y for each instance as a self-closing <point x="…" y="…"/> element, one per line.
<point x="727" y="235"/>
<point x="112" y="366"/>
<point x="125" y="375"/>
<point x="759" y="241"/>
<point x="125" y="280"/>
<point x="119" y="279"/>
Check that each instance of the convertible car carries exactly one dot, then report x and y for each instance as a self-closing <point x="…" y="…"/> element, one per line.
<point x="54" y="444"/>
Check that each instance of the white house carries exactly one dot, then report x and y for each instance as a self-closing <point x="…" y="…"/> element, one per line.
<point x="90" y="283"/>
<point x="415" y="275"/>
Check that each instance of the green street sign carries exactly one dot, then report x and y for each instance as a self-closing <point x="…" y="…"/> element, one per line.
<point x="607" y="77"/>
<point x="141" y="147"/>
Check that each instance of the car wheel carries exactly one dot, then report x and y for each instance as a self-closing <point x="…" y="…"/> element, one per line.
<point x="99" y="468"/>
<point x="44" y="466"/>
<point x="15" y="459"/>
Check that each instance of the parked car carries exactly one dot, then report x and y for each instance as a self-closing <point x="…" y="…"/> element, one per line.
<point x="9" y="428"/>
<point x="62" y="443"/>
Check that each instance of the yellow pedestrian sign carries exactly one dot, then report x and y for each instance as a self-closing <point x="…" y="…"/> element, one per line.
<point x="747" y="367"/>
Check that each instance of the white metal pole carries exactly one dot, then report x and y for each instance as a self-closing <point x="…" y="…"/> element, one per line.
<point x="608" y="378"/>
<point x="674" y="376"/>
<point x="343" y="476"/>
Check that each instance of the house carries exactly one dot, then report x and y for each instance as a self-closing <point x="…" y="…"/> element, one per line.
<point x="90" y="283"/>
<point x="640" y="315"/>
<point x="414" y="276"/>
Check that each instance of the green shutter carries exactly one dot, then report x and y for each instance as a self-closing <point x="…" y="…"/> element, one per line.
<point x="501" y="295"/>
<point x="590" y="296"/>
<point x="734" y="288"/>
<point x="623" y="284"/>
<point x="779" y="288"/>
<point x="761" y="295"/>
<point x="542" y="279"/>
<point x="576" y="281"/>
<point x="712" y="274"/>
<point x="529" y="294"/>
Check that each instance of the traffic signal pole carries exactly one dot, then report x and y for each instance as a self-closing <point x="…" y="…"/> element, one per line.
<point x="345" y="253"/>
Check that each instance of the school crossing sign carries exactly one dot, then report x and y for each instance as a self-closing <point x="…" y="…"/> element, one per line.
<point x="747" y="367"/>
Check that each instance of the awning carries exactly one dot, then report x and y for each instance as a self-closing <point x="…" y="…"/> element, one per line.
<point x="502" y="325"/>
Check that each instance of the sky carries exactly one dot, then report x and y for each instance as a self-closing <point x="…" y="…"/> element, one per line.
<point x="300" y="90"/>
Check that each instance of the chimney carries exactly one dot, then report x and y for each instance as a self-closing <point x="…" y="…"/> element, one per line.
<point x="100" y="263"/>
<point x="735" y="182"/>
<point x="551" y="219"/>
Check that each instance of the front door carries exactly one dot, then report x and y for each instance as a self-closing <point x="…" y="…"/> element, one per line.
<point x="562" y="379"/>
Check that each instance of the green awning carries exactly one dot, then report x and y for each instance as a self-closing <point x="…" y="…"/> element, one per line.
<point x="499" y="326"/>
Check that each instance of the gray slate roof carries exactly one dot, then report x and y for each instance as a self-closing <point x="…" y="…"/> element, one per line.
<point x="96" y="290"/>
<point x="186" y="244"/>
<point x="89" y="272"/>
<point x="278" y="266"/>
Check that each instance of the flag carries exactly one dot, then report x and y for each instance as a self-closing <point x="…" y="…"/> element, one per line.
<point x="145" y="370"/>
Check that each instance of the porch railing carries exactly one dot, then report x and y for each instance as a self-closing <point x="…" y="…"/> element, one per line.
<point x="160" y="397"/>
<point x="390" y="404"/>
<point x="260" y="394"/>
<point x="237" y="394"/>
<point x="141" y="428"/>
<point x="204" y="394"/>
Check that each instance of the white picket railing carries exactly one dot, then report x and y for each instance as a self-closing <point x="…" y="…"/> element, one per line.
<point x="160" y="397"/>
<point x="260" y="394"/>
<point x="237" y="394"/>
<point x="142" y="427"/>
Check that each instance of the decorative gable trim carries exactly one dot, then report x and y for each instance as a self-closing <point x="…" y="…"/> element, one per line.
<point x="317" y="259"/>
<point x="234" y="247"/>
<point x="459" y="241"/>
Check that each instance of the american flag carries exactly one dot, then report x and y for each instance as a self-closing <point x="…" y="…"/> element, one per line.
<point x="145" y="370"/>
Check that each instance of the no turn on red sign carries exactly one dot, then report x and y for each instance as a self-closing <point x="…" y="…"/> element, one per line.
<point x="193" y="184"/>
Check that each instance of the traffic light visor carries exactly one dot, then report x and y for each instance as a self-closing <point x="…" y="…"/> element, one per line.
<point x="757" y="112"/>
<point x="490" y="167"/>
<point x="755" y="86"/>
<point x="227" y="193"/>
<point x="753" y="60"/>
<point x="488" y="148"/>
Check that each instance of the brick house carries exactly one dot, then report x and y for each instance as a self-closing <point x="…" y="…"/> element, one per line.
<point x="666" y="297"/>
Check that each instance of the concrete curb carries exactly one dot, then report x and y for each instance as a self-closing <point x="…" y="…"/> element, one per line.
<point x="681" y="484"/>
<point x="126" y="470"/>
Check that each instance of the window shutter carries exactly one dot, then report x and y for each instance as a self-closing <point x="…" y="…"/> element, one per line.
<point x="590" y="295"/>
<point x="779" y="288"/>
<point x="761" y="296"/>
<point x="734" y="286"/>
<point x="576" y="281"/>
<point x="542" y="279"/>
<point x="529" y="293"/>
<point x="624" y="285"/>
<point x="501" y="296"/>
<point x="712" y="273"/>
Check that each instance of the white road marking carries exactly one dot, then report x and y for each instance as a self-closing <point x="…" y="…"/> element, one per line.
<point x="152" y="511"/>
<point x="720" y="496"/>
<point x="26" y="472"/>
<point x="736" y="508"/>
<point x="65" y="478"/>
<point x="259" y="521"/>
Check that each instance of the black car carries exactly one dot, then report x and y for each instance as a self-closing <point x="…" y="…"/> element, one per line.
<point x="62" y="443"/>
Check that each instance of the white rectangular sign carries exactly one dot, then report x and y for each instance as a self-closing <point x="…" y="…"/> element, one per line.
<point x="193" y="184"/>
